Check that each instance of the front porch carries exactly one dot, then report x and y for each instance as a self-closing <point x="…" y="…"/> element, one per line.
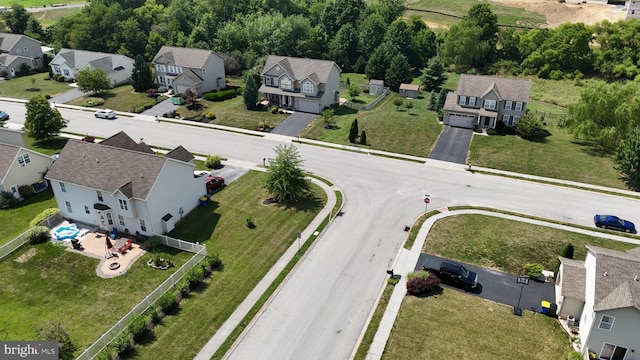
<point x="280" y="100"/>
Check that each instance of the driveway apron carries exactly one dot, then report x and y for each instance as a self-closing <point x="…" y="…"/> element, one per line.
<point x="72" y="94"/>
<point x="294" y="124"/>
<point x="453" y="145"/>
<point x="502" y="287"/>
<point x="160" y="108"/>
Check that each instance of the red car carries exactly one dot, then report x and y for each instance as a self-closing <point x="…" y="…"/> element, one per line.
<point x="214" y="183"/>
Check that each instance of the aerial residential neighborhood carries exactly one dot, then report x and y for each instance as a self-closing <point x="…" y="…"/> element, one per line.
<point x="340" y="179"/>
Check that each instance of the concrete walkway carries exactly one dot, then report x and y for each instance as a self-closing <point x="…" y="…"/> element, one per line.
<point x="232" y="322"/>
<point x="407" y="259"/>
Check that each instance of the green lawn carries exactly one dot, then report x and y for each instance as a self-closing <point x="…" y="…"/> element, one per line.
<point x="247" y="255"/>
<point x="16" y="220"/>
<point x="454" y="325"/>
<point x="38" y="3"/>
<point x="506" y="245"/>
<point x="17" y="87"/>
<point x="121" y="98"/>
<point x="387" y="128"/>
<point x="507" y="15"/>
<point x="49" y="16"/>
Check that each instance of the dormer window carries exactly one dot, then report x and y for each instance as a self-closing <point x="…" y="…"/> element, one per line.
<point x="462" y="100"/>
<point x="285" y="83"/>
<point x="267" y="80"/>
<point x="160" y="67"/>
<point x="472" y="101"/>
<point x="307" y="87"/>
<point x="172" y="69"/>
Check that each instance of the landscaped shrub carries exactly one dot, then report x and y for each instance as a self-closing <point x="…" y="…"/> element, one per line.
<point x="213" y="162"/>
<point x="184" y="287"/>
<point x="274" y="110"/>
<point x="39" y="235"/>
<point x="152" y="244"/>
<point x="45" y="214"/>
<point x="420" y="274"/>
<point x="7" y="200"/>
<point x="213" y="261"/>
<point x="533" y="270"/>
<point x="194" y="276"/>
<point x="93" y="101"/>
<point x="162" y="89"/>
<point x="25" y="190"/>
<point x="492" y="132"/>
<point x="122" y="343"/>
<point x="167" y="302"/>
<point x="418" y="285"/>
<point x="221" y="95"/>
<point x="210" y="116"/>
<point x="574" y="355"/>
<point x="138" y="328"/>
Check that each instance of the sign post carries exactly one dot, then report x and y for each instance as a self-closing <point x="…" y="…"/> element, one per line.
<point x="522" y="280"/>
<point x="426" y="202"/>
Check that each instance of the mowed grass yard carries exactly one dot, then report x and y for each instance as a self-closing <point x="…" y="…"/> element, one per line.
<point x="449" y="324"/>
<point x="247" y="255"/>
<point x="38" y="3"/>
<point x="121" y="98"/>
<point x="16" y="220"/>
<point x="17" y="87"/>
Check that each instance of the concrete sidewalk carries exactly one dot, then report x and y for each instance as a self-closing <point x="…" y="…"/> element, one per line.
<point x="407" y="259"/>
<point x="232" y="322"/>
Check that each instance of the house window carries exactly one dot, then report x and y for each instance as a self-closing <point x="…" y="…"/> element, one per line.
<point x="267" y="80"/>
<point x="62" y="187"/>
<point x="18" y="52"/>
<point x="66" y="72"/>
<point x="68" y="206"/>
<point x="26" y="49"/>
<point x="462" y="100"/>
<point x="490" y="104"/>
<point x="100" y="198"/>
<point x="172" y="69"/>
<point x="507" y="105"/>
<point x="606" y="322"/>
<point x="56" y="69"/>
<point x="307" y="87"/>
<point x="275" y="81"/>
<point x="143" y="227"/>
<point x="109" y="218"/>
<point x="472" y="101"/>
<point x="86" y="209"/>
<point x="612" y="352"/>
<point x="123" y="205"/>
<point x="515" y="120"/>
<point x="24" y="159"/>
<point x="506" y="119"/>
<point x="160" y="68"/>
<point x="121" y="220"/>
<point x="161" y="80"/>
<point x="179" y="69"/>
<point x="518" y="106"/>
<point x="285" y="83"/>
<point x="204" y="71"/>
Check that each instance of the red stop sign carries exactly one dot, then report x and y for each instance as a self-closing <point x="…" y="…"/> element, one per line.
<point x="426" y="200"/>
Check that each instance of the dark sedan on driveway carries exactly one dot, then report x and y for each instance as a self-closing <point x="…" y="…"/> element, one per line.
<point x="614" y="222"/>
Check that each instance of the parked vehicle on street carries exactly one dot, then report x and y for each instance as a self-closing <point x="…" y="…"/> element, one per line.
<point x="214" y="183"/>
<point x="614" y="222"/>
<point x="4" y="115"/>
<point x="449" y="270"/>
<point x="105" y="114"/>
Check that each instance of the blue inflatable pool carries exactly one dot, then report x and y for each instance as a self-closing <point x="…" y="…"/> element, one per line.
<point x="66" y="232"/>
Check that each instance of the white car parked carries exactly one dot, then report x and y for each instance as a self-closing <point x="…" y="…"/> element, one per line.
<point x="105" y="114"/>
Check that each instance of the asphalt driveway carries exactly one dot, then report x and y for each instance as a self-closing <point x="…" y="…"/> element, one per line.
<point x="453" y="145"/>
<point x="294" y="124"/>
<point x="503" y="288"/>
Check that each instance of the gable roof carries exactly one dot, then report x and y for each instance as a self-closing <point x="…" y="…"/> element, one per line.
<point x="8" y="59"/>
<point x="180" y="153"/>
<point x="8" y="153"/>
<point x="301" y="68"/>
<point x="376" y="82"/>
<point x="77" y="59"/>
<point x="8" y="40"/>
<point x="506" y="89"/>
<point x="123" y="141"/>
<point x="184" y="57"/>
<point x="574" y="276"/>
<point x="107" y="167"/>
<point x="410" y="87"/>
<point x="617" y="278"/>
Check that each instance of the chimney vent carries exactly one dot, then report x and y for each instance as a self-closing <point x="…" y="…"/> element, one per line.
<point x="636" y="278"/>
<point x="605" y="274"/>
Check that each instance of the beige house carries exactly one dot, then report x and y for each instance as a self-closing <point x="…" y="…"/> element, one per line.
<point x="16" y="50"/>
<point x="21" y="166"/>
<point x="185" y="68"/>
<point x="300" y="84"/>
<point x="484" y="100"/>
<point x="69" y="62"/>
<point x="409" y="90"/>
<point x="601" y="296"/>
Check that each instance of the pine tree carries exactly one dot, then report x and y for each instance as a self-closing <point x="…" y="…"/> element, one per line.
<point x="363" y="138"/>
<point x="141" y="77"/>
<point x="353" y="132"/>
<point x="567" y="251"/>
<point x="250" y="92"/>
<point x="442" y="97"/>
<point x="432" y="100"/>
<point x="398" y="72"/>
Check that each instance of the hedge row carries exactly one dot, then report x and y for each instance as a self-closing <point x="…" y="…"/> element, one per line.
<point x="223" y="95"/>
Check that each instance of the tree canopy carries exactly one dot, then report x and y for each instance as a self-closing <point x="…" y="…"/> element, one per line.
<point x="141" y="76"/>
<point x="627" y="158"/>
<point x="42" y="122"/>
<point x="285" y="179"/>
<point x="92" y="80"/>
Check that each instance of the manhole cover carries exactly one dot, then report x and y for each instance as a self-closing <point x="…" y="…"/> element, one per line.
<point x="114" y="266"/>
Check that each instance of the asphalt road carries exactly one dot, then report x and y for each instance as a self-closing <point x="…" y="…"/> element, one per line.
<point x="502" y="287"/>
<point x="321" y="309"/>
<point x="453" y="145"/>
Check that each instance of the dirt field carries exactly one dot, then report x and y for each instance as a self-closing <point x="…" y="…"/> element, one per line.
<point x="573" y="12"/>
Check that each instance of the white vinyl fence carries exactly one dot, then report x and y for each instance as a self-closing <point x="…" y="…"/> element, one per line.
<point x="15" y="244"/>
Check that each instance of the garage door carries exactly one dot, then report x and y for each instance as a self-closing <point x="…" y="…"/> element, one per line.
<point x="309" y="106"/>
<point x="465" y="121"/>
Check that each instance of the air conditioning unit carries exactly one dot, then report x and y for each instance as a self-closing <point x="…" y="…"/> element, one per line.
<point x="571" y="320"/>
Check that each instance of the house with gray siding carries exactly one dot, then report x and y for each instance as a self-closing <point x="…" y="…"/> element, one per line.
<point x="485" y="100"/>
<point x="68" y="62"/>
<point x="21" y="166"/>
<point x="601" y="297"/>
<point x="120" y="183"/>
<point x="300" y="84"/>
<point x="185" y="68"/>
<point x="16" y="50"/>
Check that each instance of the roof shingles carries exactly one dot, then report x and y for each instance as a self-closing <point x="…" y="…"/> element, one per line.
<point x="617" y="279"/>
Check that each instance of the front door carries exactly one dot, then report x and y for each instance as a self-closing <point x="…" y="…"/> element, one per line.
<point x="105" y="219"/>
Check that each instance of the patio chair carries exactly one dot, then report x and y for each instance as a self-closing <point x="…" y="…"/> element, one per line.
<point x="127" y="246"/>
<point x="76" y="244"/>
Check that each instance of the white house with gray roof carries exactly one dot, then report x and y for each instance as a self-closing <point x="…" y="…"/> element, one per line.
<point x="120" y="183"/>
<point x="20" y="166"/>
<point x="17" y="49"/>
<point x="485" y="100"/>
<point x="185" y="68"/>
<point x="68" y="62"/>
<point x="603" y="295"/>
<point x="306" y="85"/>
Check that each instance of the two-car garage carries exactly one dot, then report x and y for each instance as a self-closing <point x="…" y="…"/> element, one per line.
<point x="308" y="106"/>
<point x="460" y="120"/>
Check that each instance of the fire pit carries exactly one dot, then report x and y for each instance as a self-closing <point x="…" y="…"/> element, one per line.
<point x="114" y="266"/>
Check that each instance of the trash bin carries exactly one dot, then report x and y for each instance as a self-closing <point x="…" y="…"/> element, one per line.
<point x="176" y="100"/>
<point x="203" y="201"/>
<point x="552" y="310"/>
<point x="544" y="307"/>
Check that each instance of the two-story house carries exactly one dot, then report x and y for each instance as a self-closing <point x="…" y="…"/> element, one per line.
<point x="123" y="184"/>
<point x="633" y="10"/>
<point x="306" y="85"/>
<point x="21" y="166"/>
<point x="602" y="297"/>
<point x="185" y="68"/>
<point x="68" y="62"/>
<point x="484" y="100"/>
<point x="15" y="50"/>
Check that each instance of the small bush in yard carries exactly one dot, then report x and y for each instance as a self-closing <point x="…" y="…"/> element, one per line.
<point x="122" y="343"/>
<point x="417" y="286"/>
<point x="533" y="270"/>
<point x="45" y="214"/>
<point x="421" y="274"/>
<point x="7" y="200"/>
<point x="167" y="302"/>
<point x="39" y="235"/>
<point x="25" y="190"/>
<point x="213" y="261"/>
<point x="574" y="355"/>
<point x="138" y="328"/>
<point x="213" y="162"/>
